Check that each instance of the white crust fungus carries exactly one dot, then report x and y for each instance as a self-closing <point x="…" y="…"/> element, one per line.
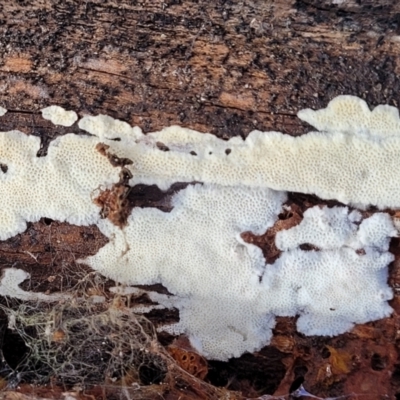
<point x="58" y="116"/>
<point x="226" y="294"/>
<point x="354" y="169"/>
<point x="9" y="286"/>
<point x="106" y="127"/>
<point x="350" y="114"/>
<point x="325" y="228"/>
<point x="214" y="266"/>
<point x="59" y="186"/>
<point x="337" y="286"/>
<point x="330" y="228"/>
<point x="330" y="289"/>
<point x="2" y="111"/>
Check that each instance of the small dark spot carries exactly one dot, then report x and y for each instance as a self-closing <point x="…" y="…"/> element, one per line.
<point x="396" y="374"/>
<point x="14" y="348"/>
<point x="296" y="383"/>
<point x="193" y="153"/>
<point x="380" y="41"/>
<point x="325" y="353"/>
<point x="285" y="215"/>
<point x="152" y="372"/>
<point x="307" y="247"/>
<point x="162" y="146"/>
<point x="210" y="153"/>
<point x="4" y="168"/>
<point x="87" y="236"/>
<point x="378" y="363"/>
<point x="47" y="221"/>
<point x="42" y="152"/>
<point x="228" y="151"/>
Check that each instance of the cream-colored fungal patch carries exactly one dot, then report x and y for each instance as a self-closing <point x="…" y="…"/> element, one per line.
<point x="17" y="64"/>
<point x="331" y="290"/>
<point x="2" y="111"/>
<point x="59" y="186"/>
<point x="197" y="253"/>
<point x="110" y="65"/>
<point x="338" y="285"/>
<point x="15" y="86"/>
<point x="227" y="296"/>
<point x="105" y="127"/>
<point x="325" y="228"/>
<point x="58" y="116"/>
<point x="350" y="114"/>
<point x="353" y="169"/>
<point x="330" y="228"/>
<point x="9" y="286"/>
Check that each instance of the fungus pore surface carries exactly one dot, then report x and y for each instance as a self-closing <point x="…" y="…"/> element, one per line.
<point x="330" y="289"/>
<point x="58" y="116"/>
<point x="9" y="286"/>
<point x="227" y="295"/>
<point x="59" y="186"/>
<point x="356" y="168"/>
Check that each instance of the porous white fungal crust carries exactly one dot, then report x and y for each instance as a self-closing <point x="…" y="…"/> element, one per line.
<point x="332" y="228"/>
<point x="60" y="185"/>
<point x="106" y="127"/>
<point x="338" y="285"/>
<point x="2" y="111"/>
<point x="331" y="290"/>
<point x="375" y="233"/>
<point x="325" y="228"/>
<point x="350" y="114"/>
<point x="355" y="169"/>
<point x="227" y="296"/>
<point x="10" y="280"/>
<point x="196" y="251"/>
<point x="59" y="116"/>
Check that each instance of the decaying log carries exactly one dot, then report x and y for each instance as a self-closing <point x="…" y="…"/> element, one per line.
<point x="225" y="67"/>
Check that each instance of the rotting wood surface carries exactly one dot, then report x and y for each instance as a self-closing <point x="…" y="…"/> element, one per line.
<point x="225" y="67"/>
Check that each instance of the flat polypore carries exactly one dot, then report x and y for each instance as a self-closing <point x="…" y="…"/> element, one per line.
<point x="227" y="296"/>
<point x="351" y="115"/>
<point x="59" y="186"/>
<point x="58" y="116"/>
<point x="197" y="253"/>
<point x="9" y="286"/>
<point x="356" y="169"/>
